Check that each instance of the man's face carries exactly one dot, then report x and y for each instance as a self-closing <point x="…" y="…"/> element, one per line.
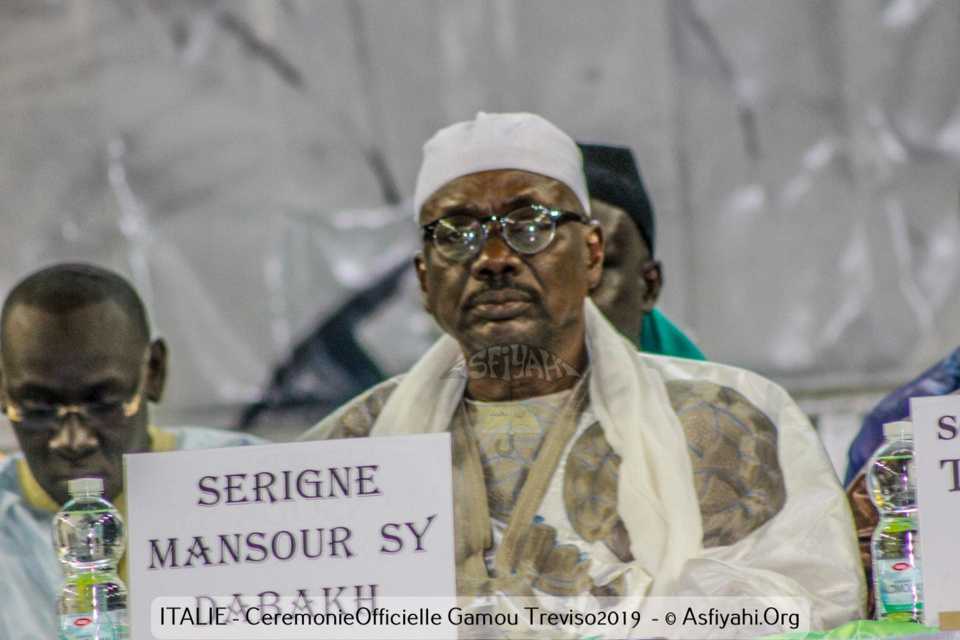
<point x="90" y="356"/>
<point x="502" y="297"/>
<point x="631" y="279"/>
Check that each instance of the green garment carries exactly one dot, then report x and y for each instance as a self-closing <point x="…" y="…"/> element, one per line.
<point x="860" y="629"/>
<point x="659" y="335"/>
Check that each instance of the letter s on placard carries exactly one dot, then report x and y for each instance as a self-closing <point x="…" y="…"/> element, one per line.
<point x="949" y="424"/>
<point x="208" y="489"/>
<point x="391" y="537"/>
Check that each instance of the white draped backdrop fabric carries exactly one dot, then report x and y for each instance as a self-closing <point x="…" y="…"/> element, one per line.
<point x="249" y="164"/>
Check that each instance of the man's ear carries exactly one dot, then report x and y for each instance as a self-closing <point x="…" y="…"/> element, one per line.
<point x="156" y="370"/>
<point x="595" y="239"/>
<point x="652" y="276"/>
<point x="420" y="263"/>
<point x="3" y="390"/>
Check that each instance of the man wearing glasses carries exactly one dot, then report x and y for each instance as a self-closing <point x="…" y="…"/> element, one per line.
<point x="581" y="467"/>
<point x="77" y="371"/>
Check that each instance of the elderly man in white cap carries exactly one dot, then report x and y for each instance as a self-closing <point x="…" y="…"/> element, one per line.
<point x="583" y="468"/>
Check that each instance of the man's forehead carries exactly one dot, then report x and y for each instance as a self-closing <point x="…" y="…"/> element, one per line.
<point x="100" y="327"/>
<point x="487" y="189"/>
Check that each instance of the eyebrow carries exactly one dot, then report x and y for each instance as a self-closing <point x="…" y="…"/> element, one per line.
<point x="35" y="392"/>
<point x="471" y="208"/>
<point x="519" y="201"/>
<point x="47" y="394"/>
<point x="460" y="209"/>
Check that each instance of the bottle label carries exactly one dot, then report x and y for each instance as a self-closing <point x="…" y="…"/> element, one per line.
<point x="90" y="626"/>
<point x="899" y="585"/>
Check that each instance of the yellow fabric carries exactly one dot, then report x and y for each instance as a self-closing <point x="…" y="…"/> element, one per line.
<point x="160" y="440"/>
<point x="32" y="490"/>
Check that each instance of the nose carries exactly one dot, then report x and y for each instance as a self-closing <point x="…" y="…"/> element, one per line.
<point x="74" y="438"/>
<point x="496" y="258"/>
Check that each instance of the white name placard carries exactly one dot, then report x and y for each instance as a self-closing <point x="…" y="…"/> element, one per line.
<point x="327" y="527"/>
<point x="936" y="435"/>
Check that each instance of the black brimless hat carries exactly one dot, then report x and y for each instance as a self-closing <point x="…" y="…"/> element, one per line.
<point x="613" y="176"/>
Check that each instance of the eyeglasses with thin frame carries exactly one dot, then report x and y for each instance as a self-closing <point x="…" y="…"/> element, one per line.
<point x="528" y="230"/>
<point x="48" y="417"/>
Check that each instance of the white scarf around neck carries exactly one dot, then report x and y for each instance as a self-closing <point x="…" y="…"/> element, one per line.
<point x="657" y="499"/>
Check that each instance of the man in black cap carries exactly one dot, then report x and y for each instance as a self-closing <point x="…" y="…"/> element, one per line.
<point x="632" y="278"/>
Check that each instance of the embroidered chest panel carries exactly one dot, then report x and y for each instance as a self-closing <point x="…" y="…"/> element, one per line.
<point x="733" y="451"/>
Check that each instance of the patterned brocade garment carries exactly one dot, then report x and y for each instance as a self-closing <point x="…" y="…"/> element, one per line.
<point x="733" y="448"/>
<point x="865" y="518"/>
<point x="733" y="451"/>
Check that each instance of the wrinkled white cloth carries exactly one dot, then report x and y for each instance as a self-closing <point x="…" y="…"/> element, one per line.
<point x="809" y="549"/>
<point x="30" y="574"/>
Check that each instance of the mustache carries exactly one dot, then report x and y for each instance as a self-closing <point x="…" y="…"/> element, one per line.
<point x="491" y="290"/>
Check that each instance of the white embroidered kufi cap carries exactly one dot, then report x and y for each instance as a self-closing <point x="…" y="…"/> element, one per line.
<point x="500" y="141"/>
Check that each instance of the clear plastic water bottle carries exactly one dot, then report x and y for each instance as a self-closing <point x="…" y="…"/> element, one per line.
<point x="891" y="481"/>
<point x="89" y="536"/>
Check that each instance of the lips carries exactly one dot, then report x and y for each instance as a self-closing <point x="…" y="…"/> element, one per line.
<point x="61" y="469"/>
<point x="500" y="304"/>
<point x="499" y="296"/>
